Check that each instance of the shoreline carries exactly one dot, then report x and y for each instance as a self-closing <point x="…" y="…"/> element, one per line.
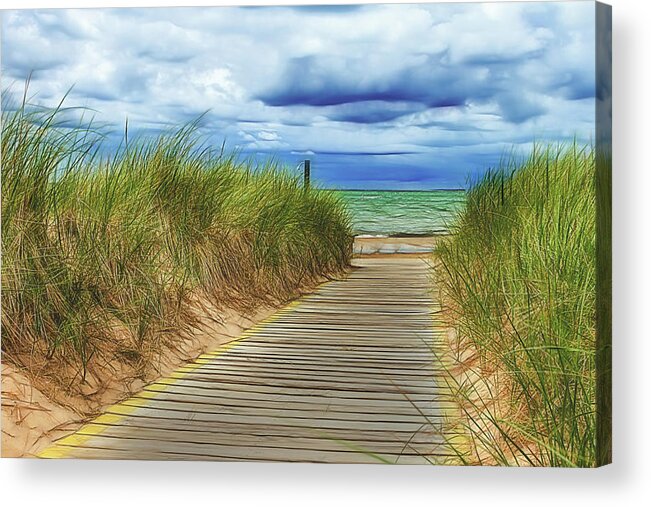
<point x="364" y="245"/>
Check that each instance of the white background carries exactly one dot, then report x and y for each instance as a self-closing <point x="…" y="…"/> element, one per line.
<point x="626" y="482"/>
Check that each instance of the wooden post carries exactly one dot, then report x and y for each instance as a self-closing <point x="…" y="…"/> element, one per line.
<point x="306" y="174"/>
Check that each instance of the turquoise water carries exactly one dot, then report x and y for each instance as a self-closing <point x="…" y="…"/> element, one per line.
<point x="387" y="213"/>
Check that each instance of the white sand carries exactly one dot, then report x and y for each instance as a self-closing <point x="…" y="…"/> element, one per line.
<point x="365" y="245"/>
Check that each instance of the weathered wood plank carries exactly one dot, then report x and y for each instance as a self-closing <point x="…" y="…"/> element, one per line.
<point x="347" y="377"/>
<point x="425" y="434"/>
<point x="253" y="418"/>
<point x="296" y="366"/>
<point x="339" y="361"/>
<point x="321" y="385"/>
<point x="316" y="416"/>
<point x="233" y="439"/>
<point x="290" y="402"/>
<point x="304" y="391"/>
<point x="327" y="357"/>
<point x="130" y="451"/>
<point x="342" y="454"/>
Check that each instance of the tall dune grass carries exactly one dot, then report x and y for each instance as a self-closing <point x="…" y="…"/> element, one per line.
<point x="519" y="277"/>
<point x="92" y="243"/>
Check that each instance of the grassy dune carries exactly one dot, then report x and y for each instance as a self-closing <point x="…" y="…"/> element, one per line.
<point x="94" y="243"/>
<point x="519" y="279"/>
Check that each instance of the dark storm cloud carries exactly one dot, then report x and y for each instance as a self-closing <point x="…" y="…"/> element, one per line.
<point x="430" y="84"/>
<point x="377" y="153"/>
<point x="373" y="111"/>
<point x="328" y="81"/>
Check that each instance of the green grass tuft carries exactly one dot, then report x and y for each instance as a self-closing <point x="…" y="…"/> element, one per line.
<point x="93" y="242"/>
<point x="519" y="276"/>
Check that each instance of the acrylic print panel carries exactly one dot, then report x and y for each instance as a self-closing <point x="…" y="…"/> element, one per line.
<point x="352" y="234"/>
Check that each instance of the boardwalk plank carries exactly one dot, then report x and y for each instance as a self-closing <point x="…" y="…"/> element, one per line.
<point x="425" y="434"/>
<point x="232" y="439"/>
<point x="305" y="392"/>
<point x="289" y="402"/>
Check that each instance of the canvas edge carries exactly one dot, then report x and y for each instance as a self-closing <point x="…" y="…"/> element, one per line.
<point x="603" y="189"/>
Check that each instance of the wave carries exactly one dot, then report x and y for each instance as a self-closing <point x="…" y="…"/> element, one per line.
<point x="394" y="234"/>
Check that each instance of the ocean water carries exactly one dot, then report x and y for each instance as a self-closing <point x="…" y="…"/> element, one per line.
<point x="391" y="213"/>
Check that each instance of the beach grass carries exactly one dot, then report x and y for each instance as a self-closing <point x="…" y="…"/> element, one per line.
<point x="95" y="240"/>
<point x="518" y="281"/>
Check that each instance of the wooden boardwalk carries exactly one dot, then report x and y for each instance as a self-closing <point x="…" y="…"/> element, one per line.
<point x="344" y="375"/>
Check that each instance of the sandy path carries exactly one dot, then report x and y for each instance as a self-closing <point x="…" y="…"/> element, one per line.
<point x="402" y="245"/>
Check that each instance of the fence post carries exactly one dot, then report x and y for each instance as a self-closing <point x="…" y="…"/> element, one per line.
<point x="306" y="174"/>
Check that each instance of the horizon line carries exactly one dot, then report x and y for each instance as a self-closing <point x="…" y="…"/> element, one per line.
<point x="395" y="190"/>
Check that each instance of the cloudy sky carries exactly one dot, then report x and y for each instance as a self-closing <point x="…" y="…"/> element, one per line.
<point x="377" y="96"/>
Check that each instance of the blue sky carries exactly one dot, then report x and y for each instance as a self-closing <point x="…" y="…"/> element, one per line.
<point x="377" y="96"/>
